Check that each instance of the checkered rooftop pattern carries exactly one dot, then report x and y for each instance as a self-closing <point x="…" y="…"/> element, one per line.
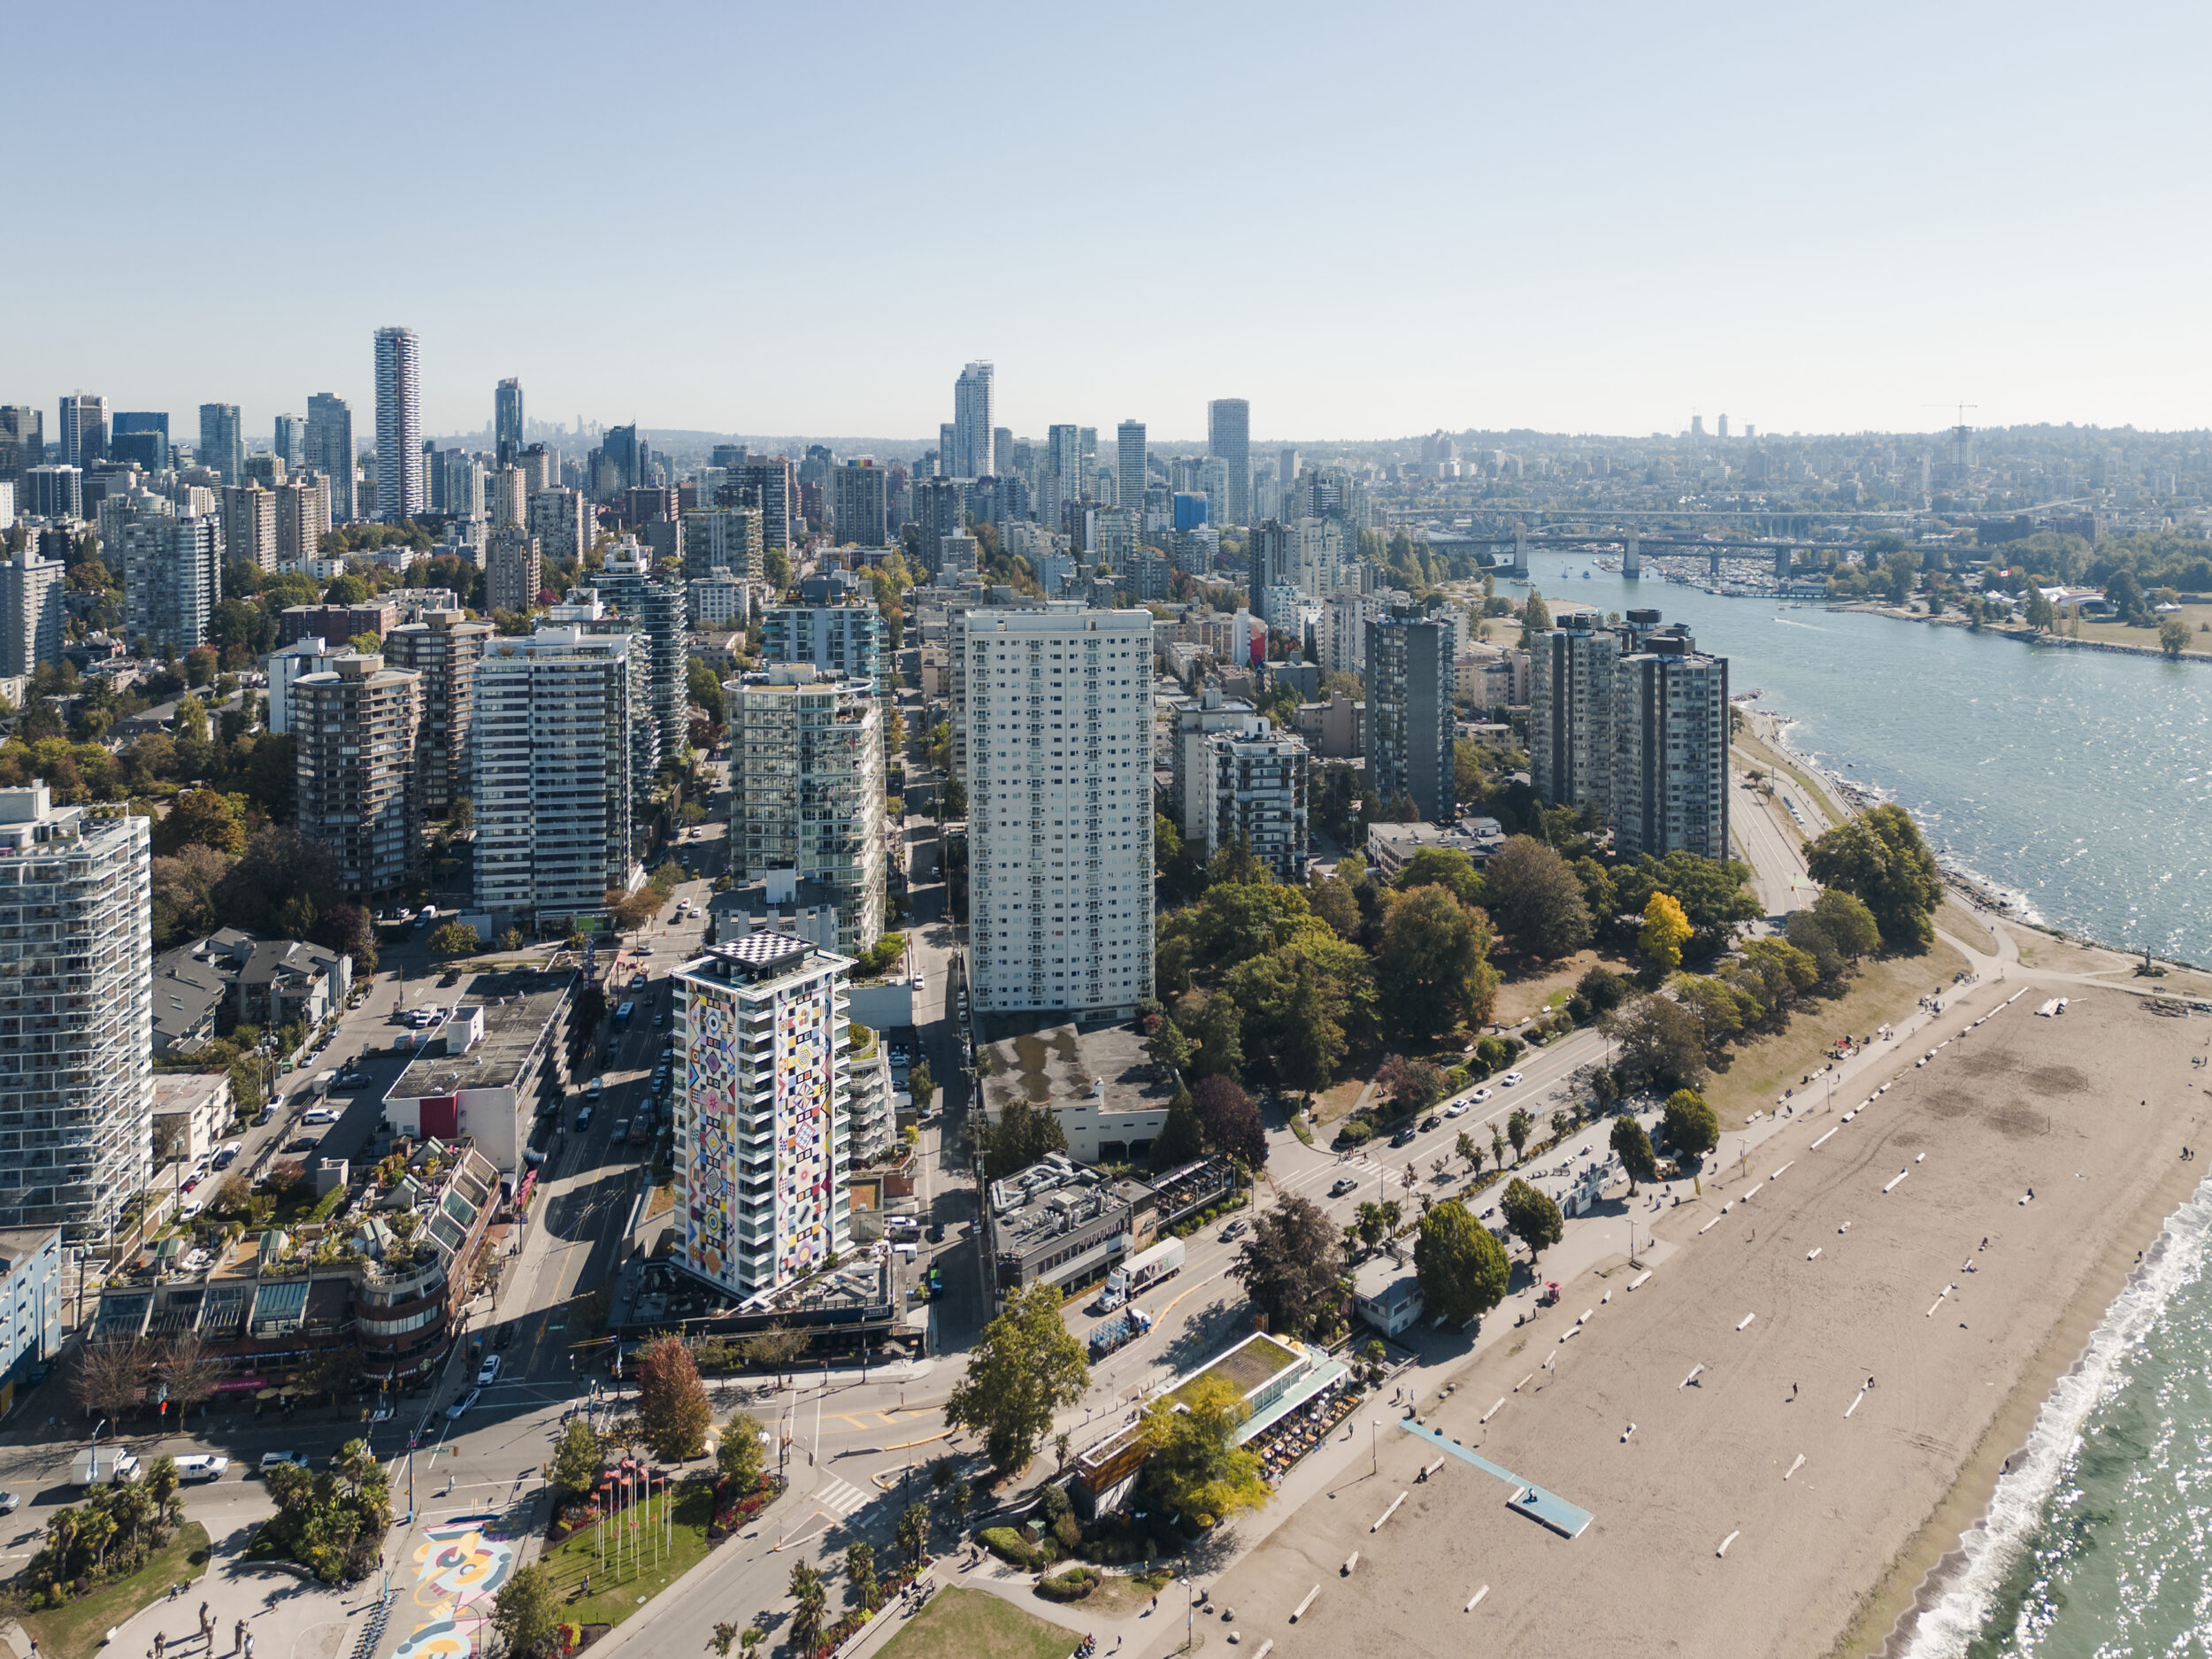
<point x="764" y="949"/>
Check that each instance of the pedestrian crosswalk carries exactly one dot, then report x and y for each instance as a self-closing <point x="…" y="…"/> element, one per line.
<point x="839" y="1495"/>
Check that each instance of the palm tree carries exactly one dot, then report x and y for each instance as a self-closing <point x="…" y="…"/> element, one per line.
<point x="913" y="1534"/>
<point x="813" y="1601"/>
<point x="1469" y="1153"/>
<point x="963" y="1495"/>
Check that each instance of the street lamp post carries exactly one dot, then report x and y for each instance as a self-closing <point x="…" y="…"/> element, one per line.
<point x="1374" y="1443"/>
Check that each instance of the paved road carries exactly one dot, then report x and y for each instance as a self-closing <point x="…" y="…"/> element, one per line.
<point x="1776" y="853"/>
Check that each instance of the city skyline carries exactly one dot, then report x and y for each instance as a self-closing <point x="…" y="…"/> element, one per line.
<point x="1625" y="232"/>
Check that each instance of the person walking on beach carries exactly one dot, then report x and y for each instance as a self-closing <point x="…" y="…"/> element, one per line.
<point x="238" y="1637"/>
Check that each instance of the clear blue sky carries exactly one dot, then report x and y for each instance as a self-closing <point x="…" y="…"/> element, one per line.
<point x="1369" y="220"/>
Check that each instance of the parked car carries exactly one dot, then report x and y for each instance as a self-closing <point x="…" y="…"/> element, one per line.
<point x="936" y="1233"/>
<point x="638" y="982"/>
<point x="645" y="950"/>
<point x="302" y="1143"/>
<point x="459" y="1408"/>
<point x="9" y="1502"/>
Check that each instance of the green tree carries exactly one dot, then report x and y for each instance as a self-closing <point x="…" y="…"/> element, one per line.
<point x="1312" y="1043"/>
<point x="1806" y="932"/>
<point x="1435" y="969"/>
<point x="913" y="1533"/>
<point x="1691" y="1126"/>
<point x="811" y="1616"/>
<point x="1026" y="1366"/>
<point x="1193" y="1462"/>
<point x="860" y="1573"/>
<point x="1168" y="1048"/>
<point x="1535" y="615"/>
<point x="1219" y="1030"/>
<point x="673" y="1411"/>
<point x="455" y="939"/>
<point x="1879" y="858"/>
<point x="1711" y="892"/>
<point x="1463" y="1271"/>
<point x="2173" y="635"/>
<point x="921" y="1084"/>
<point x="576" y="1458"/>
<point x="1666" y="930"/>
<point x="1441" y="867"/>
<point x="1536" y="899"/>
<point x="1530" y="1218"/>
<point x="1603" y="990"/>
<point x="201" y="817"/>
<point x="1287" y="1266"/>
<point x="1181" y="1138"/>
<point x="1468" y="1152"/>
<point x="1847" y="922"/>
<point x="526" y="1612"/>
<point x="739" y="1457"/>
<point x="346" y="590"/>
<point x="1632" y="1146"/>
<point x="1660" y="1039"/>
<point x="1023" y="1133"/>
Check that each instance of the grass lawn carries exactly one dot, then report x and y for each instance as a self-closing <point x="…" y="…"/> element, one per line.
<point x="976" y="1624"/>
<point x="614" y="1597"/>
<point x="1537" y="987"/>
<point x="2120" y="634"/>
<point x="1884" y="991"/>
<point x="1340" y="1096"/>
<point x="76" y="1630"/>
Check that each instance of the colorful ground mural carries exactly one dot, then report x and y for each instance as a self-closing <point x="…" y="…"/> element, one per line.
<point x="459" y="1567"/>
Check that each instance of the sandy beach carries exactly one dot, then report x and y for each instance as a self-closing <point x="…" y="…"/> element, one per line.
<point x="1833" y="1504"/>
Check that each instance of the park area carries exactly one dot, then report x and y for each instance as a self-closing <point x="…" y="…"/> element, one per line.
<point x="623" y="1580"/>
<point x="975" y="1625"/>
<point x="77" y="1629"/>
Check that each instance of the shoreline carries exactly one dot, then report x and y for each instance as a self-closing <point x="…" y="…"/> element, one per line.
<point x="1889" y="1618"/>
<point x="1770" y="728"/>
<point x="1837" y="1274"/>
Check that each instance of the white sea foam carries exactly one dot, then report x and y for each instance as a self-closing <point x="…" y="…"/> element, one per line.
<point x="1964" y="1601"/>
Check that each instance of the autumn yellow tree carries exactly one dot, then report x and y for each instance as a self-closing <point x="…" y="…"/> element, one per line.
<point x="1665" y="931"/>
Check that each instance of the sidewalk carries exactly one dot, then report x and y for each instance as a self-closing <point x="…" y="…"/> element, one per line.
<point x="286" y="1616"/>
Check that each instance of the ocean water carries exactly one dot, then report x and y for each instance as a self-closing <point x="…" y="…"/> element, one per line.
<point x="2078" y="779"/>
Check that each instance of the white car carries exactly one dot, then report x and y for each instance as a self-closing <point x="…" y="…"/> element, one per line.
<point x="319" y="1115"/>
<point x="202" y="1466"/>
<point x="1508" y="1079"/>
<point x="459" y="1408"/>
<point x="1457" y="1108"/>
<point x="919" y="984"/>
<point x="1480" y="1096"/>
<point x="490" y="1374"/>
